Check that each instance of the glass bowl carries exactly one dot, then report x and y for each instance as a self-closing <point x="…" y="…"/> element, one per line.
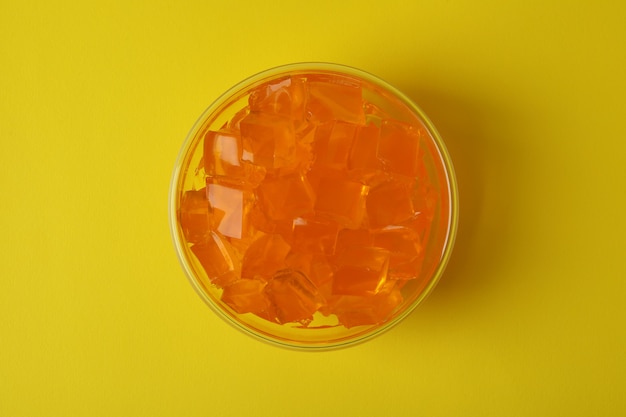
<point x="313" y="206"/>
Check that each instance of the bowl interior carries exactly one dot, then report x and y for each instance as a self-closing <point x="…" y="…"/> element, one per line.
<point x="383" y="106"/>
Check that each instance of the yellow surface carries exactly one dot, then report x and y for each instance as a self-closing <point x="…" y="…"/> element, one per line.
<point x="96" y="316"/>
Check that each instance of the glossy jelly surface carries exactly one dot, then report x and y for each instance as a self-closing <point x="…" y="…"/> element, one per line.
<point x="313" y="206"/>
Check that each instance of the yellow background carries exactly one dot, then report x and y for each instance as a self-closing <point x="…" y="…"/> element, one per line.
<point x="96" y="316"/>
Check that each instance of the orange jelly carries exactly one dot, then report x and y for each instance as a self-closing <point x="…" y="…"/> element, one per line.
<point x="313" y="202"/>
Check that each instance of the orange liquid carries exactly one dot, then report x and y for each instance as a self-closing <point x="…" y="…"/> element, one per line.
<point x="316" y="201"/>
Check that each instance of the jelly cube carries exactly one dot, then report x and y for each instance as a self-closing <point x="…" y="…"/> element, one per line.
<point x="405" y="248"/>
<point x="398" y="147"/>
<point x="334" y="98"/>
<point x="321" y="275"/>
<point x="268" y="141"/>
<point x="229" y="208"/>
<point x="306" y="132"/>
<point x="300" y="261"/>
<point x="360" y="271"/>
<point x="314" y="235"/>
<point x="353" y="237"/>
<point x="233" y="124"/>
<point x="320" y="271"/>
<point x="194" y="215"/>
<point x="222" y="158"/>
<point x="316" y="268"/>
<point x="424" y="198"/>
<point x="304" y="156"/>
<point x="407" y="257"/>
<point x="260" y="221"/>
<point x="318" y="173"/>
<point x="264" y="257"/>
<point x="294" y="297"/>
<point x="405" y="270"/>
<point x="286" y="197"/>
<point x="217" y="259"/>
<point x="304" y="148"/>
<point x="363" y="154"/>
<point x="333" y="142"/>
<point x="388" y="204"/>
<point x="238" y="247"/>
<point x="419" y="223"/>
<point x="422" y="172"/>
<point x="374" y="114"/>
<point x="352" y="311"/>
<point x="246" y="296"/>
<point x="284" y="98"/>
<point x="222" y="153"/>
<point x="342" y="201"/>
<point x="199" y="177"/>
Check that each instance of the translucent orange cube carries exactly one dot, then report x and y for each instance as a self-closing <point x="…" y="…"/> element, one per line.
<point x="194" y="215"/>
<point x="333" y="141"/>
<point x="334" y="98"/>
<point x="366" y="310"/>
<point x="264" y="257"/>
<point x="260" y="221"/>
<point x="311" y="235"/>
<point x="269" y="141"/>
<point x="247" y="296"/>
<point x="398" y="147"/>
<point x="342" y="201"/>
<point x="299" y="261"/>
<point x="222" y="153"/>
<point x="303" y="155"/>
<point x="229" y="208"/>
<point x="284" y="98"/>
<point x="218" y="260"/>
<point x="388" y="204"/>
<point x="223" y="158"/>
<point x="424" y="198"/>
<point x="293" y="296"/>
<point x="374" y="114"/>
<point x="286" y="197"/>
<point x="419" y="223"/>
<point x="233" y="124"/>
<point x="404" y="247"/>
<point x="353" y="237"/>
<point x="360" y="270"/>
<point x="321" y="272"/>
<point x="407" y="270"/>
<point x="363" y="157"/>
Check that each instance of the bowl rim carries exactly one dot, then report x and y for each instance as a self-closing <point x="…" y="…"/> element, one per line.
<point x="303" y="67"/>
